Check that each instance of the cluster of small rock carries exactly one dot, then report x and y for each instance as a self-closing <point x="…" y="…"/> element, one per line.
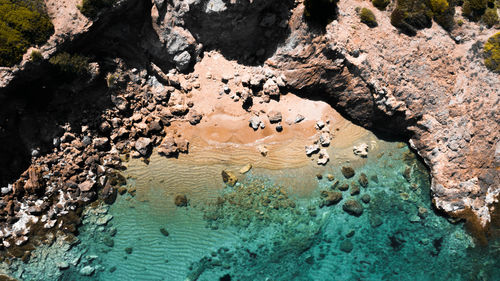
<point x="334" y="195"/>
<point x="82" y="166"/>
<point x="320" y="145"/>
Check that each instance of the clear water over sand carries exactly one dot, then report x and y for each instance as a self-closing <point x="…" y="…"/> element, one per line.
<point x="279" y="222"/>
<point x="271" y="226"/>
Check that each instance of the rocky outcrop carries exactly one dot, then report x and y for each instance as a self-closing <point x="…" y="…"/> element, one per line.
<point x="431" y="89"/>
<point x="420" y="88"/>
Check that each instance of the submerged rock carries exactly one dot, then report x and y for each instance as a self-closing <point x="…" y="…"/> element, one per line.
<point x="108" y="241"/>
<point x="104" y="219"/>
<point x="122" y="190"/>
<point x="331" y="197"/>
<point x="87" y="270"/>
<point x="353" y="207"/>
<point x="363" y="180"/>
<point x="354" y="189"/>
<point x="366" y="198"/>
<point x="61" y="265"/>
<point x="229" y="178"/>
<point x="348" y="172"/>
<point x="164" y="232"/>
<point x="181" y="200"/>
<point x="344" y="187"/>
<point x="375" y="221"/>
<point x="346" y="246"/>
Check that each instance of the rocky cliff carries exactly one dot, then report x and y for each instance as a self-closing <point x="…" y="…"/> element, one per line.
<point x="431" y="89"/>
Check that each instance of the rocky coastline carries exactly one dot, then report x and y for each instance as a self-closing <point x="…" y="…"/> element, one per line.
<point x="431" y="90"/>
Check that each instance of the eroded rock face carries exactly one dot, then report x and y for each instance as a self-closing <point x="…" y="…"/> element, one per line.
<point x="430" y="95"/>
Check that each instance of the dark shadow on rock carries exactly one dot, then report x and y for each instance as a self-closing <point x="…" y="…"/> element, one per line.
<point x="247" y="32"/>
<point x="32" y="115"/>
<point x="39" y="101"/>
<point x="319" y="13"/>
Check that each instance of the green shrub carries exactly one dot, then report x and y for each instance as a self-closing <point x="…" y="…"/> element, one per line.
<point x="410" y="15"/>
<point x="492" y="53"/>
<point x="90" y="8"/>
<point x="381" y="4"/>
<point x="443" y="13"/>
<point x="367" y="17"/>
<point x="439" y="6"/>
<point x="70" y="65"/>
<point x="321" y="12"/>
<point x="490" y="17"/>
<point x="474" y="9"/>
<point x="36" y="56"/>
<point x="23" y="23"/>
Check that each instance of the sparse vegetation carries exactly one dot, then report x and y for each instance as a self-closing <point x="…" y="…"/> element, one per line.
<point x="36" y="56"/>
<point x="381" y="4"/>
<point x="23" y="23"/>
<point x="481" y="10"/>
<point x="367" y="17"/>
<point x="490" y="17"/>
<point x="439" y="6"/>
<point x="443" y="13"/>
<point x="321" y="12"/>
<point x="90" y="8"/>
<point x="474" y="9"/>
<point x="492" y="53"/>
<point x="411" y="15"/>
<point x="71" y="66"/>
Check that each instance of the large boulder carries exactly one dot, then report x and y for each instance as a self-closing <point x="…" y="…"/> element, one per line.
<point x="353" y="207"/>
<point x="348" y="172"/>
<point x="274" y="116"/>
<point x="254" y="122"/>
<point x="229" y="178"/>
<point x="142" y="145"/>
<point x="331" y="197"/>
<point x="182" y="61"/>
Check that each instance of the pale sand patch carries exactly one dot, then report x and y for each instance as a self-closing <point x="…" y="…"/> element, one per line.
<point x="225" y="132"/>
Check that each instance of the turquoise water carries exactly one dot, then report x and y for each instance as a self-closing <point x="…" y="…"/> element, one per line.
<point x="262" y="229"/>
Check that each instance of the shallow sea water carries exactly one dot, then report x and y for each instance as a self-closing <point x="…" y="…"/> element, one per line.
<point x="265" y="229"/>
<point x="273" y="225"/>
